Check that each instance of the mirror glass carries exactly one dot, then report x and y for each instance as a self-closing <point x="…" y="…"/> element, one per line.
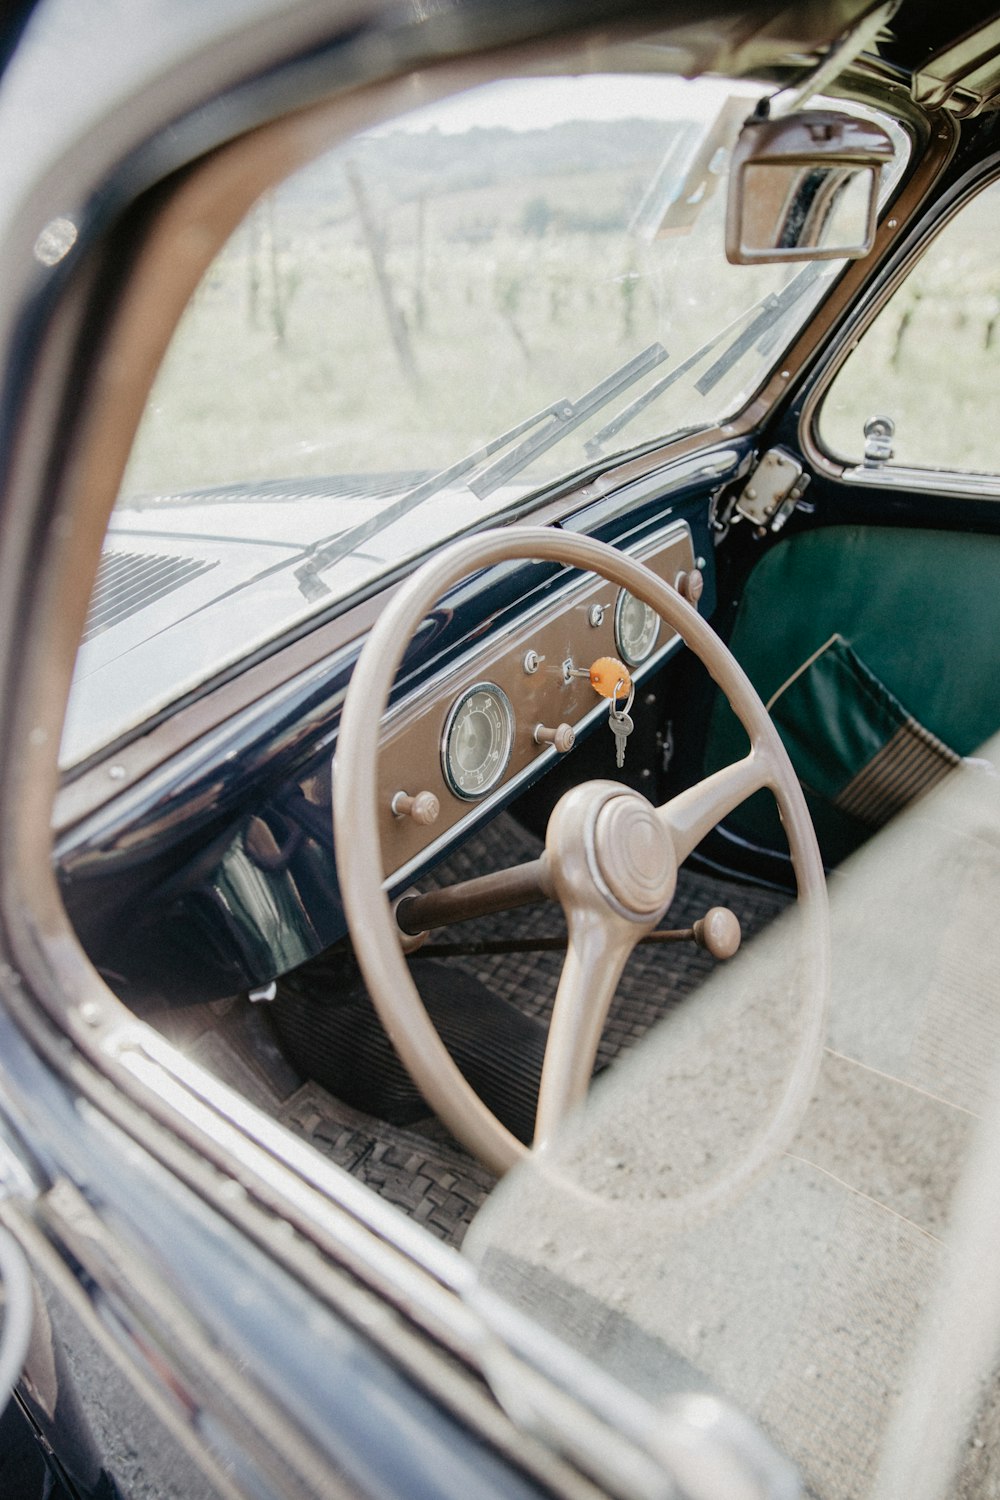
<point x="812" y="210"/>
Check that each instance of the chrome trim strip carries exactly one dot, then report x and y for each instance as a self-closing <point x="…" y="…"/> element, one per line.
<point x="15" y="1179"/>
<point x="925" y="481"/>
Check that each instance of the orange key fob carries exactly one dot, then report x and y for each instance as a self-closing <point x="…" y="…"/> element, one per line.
<point x="610" y="677"/>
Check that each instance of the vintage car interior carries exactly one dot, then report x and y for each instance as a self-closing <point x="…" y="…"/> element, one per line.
<point x="424" y="866"/>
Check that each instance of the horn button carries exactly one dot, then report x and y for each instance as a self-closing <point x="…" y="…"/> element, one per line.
<point x="632" y="856"/>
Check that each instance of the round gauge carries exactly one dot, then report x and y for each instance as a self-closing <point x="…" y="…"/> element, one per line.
<point x="478" y="739"/>
<point x="636" y="628"/>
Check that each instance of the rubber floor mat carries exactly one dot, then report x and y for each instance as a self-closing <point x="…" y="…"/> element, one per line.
<point x="433" y="1180"/>
<point x="419" y="1167"/>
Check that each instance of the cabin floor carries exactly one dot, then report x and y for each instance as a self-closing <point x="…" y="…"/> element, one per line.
<point x="417" y="1165"/>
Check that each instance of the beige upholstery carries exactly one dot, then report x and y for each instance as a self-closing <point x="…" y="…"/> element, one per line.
<point x="842" y="1300"/>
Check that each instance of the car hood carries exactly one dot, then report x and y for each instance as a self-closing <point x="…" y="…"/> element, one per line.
<point x="187" y="579"/>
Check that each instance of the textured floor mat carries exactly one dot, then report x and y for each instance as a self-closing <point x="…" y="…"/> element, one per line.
<point x="419" y="1167"/>
<point x="436" y="1183"/>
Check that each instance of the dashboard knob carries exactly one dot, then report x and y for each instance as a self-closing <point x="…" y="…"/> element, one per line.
<point x="423" y="808"/>
<point x="563" y="737"/>
<point x="690" y="585"/>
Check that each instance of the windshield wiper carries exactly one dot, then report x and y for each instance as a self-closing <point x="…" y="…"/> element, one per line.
<point x="756" y="323"/>
<point x="560" y="418"/>
<point x="563" y="418"/>
<point x="763" y="316"/>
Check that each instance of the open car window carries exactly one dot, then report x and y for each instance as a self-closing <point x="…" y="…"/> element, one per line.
<point x="909" y="395"/>
<point x="351" y="974"/>
<point x="431" y="322"/>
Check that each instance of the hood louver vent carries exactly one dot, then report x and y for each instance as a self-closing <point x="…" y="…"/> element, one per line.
<point x="130" y="581"/>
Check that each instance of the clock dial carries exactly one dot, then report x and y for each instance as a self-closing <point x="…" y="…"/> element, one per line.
<point x="478" y="740"/>
<point x="636" y="628"/>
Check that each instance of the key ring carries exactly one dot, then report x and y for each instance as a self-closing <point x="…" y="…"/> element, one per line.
<point x="622" y="713"/>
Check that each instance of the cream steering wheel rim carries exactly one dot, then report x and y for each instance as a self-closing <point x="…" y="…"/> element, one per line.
<point x="370" y="919"/>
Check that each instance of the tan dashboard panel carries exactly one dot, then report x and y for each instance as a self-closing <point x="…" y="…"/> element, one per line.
<point x="565" y="631"/>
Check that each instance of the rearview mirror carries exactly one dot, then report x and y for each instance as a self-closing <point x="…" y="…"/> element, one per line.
<point x="805" y="187"/>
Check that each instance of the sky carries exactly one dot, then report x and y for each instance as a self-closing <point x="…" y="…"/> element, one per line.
<point x="534" y="103"/>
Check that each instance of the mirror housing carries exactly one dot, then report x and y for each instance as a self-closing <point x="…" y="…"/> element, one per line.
<point x="805" y="187"/>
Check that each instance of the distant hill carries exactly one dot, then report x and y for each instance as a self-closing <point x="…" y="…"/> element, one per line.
<point x="399" y="167"/>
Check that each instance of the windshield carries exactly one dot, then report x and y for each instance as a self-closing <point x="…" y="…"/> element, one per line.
<point x="435" y="319"/>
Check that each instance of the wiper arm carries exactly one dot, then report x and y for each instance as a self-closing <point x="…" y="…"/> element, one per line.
<point x="560" y="418"/>
<point x="564" y="418"/>
<point x="325" y="553"/>
<point x="763" y="315"/>
<point x="771" y="310"/>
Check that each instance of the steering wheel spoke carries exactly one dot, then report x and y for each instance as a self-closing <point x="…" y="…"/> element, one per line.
<point x="695" y="812"/>
<point x="598" y="949"/>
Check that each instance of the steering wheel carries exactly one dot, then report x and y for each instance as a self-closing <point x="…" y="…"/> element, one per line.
<point x="611" y="858"/>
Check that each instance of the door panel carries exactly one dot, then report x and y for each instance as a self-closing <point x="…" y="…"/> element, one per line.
<point x="866" y="641"/>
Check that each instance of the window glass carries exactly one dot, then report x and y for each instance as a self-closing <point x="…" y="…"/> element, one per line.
<point x="930" y="356"/>
<point x="436" y="318"/>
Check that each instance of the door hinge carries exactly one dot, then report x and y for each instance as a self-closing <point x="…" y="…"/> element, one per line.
<point x="773" y="490"/>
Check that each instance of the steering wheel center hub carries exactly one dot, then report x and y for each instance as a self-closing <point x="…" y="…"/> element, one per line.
<point x="633" y="856"/>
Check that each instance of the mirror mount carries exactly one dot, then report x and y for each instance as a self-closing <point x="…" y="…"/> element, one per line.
<point x="805" y="187"/>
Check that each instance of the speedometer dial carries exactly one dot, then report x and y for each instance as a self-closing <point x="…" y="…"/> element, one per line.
<point x="636" y="628"/>
<point x="478" y="739"/>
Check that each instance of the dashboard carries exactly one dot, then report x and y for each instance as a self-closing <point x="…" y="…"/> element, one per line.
<point x="198" y="861"/>
<point x="471" y="737"/>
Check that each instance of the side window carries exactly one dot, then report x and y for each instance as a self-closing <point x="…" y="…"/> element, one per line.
<point x="929" y="361"/>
